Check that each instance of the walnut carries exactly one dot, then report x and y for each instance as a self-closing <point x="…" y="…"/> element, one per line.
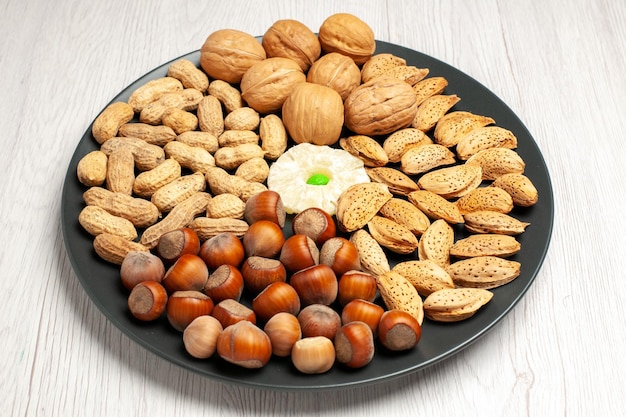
<point x="313" y="113"/>
<point x="336" y="71"/>
<point x="380" y="106"/>
<point x="266" y="85"/>
<point x="228" y="53"/>
<point x="348" y="35"/>
<point x="292" y="39"/>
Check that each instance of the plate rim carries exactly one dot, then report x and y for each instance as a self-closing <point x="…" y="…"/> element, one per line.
<point x="547" y="194"/>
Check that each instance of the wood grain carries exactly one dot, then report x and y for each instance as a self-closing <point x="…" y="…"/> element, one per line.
<point x="558" y="64"/>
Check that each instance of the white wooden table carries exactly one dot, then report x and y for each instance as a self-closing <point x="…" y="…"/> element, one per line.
<point x="558" y="64"/>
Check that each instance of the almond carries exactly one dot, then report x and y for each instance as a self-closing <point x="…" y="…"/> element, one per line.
<point x="407" y="214"/>
<point x="392" y="235"/>
<point x="520" y="188"/>
<point x="426" y="276"/>
<point x="455" y="304"/>
<point x="408" y="73"/>
<point x="483" y="272"/>
<point x="485" y="198"/>
<point x="485" y="245"/>
<point x="496" y="162"/>
<point x="429" y="87"/>
<point x="436" y="242"/>
<point x="454" y="181"/>
<point x="366" y="149"/>
<point x="359" y="203"/>
<point x="435" y="206"/>
<point x="420" y="159"/>
<point x="371" y="254"/>
<point x="399" y="141"/>
<point x="397" y="181"/>
<point x="379" y="65"/>
<point x="433" y="109"/>
<point x="485" y="138"/>
<point x="455" y="125"/>
<point x="486" y="221"/>
<point x="399" y="294"/>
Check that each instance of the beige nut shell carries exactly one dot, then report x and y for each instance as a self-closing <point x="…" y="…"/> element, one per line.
<point x="380" y="106"/>
<point x="228" y="53"/>
<point x="292" y="39"/>
<point x="268" y="83"/>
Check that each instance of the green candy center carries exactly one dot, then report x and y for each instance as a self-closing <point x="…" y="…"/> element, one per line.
<point x="318" y="179"/>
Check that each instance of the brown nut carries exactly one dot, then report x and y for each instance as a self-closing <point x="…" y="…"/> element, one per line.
<point x="336" y="71"/>
<point x="380" y="106"/>
<point x="292" y="39"/>
<point x="313" y="113"/>
<point x="266" y="85"/>
<point x="228" y="53"/>
<point x="348" y="35"/>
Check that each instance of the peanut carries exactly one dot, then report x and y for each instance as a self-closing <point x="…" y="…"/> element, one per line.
<point x="146" y="155"/>
<point x="233" y="156"/>
<point x="186" y="99"/>
<point x="207" y="228"/>
<point x="148" y="182"/>
<point x="92" y="169"/>
<point x="191" y="157"/>
<point x="152" y="91"/>
<point x="210" y="115"/>
<point x="273" y="136"/>
<point x="226" y="205"/>
<point x="96" y="220"/>
<point x="189" y="75"/>
<point x="228" y="95"/>
<point x="109" y="121"/>
<point x="121" y="171"/>
<point x="243" y="118"/>
<point x="140" y="212"/>
<point x="237" y="137"/>
<point x="113" y="248"/>
<point x="251" y="188"/>
<point x="171" y="194"/>
<point x="204" y="140"/>
<point x="253" y="170"/>
<point x="179" y="121"/>
<point x="180" y="216"/>
<point x="221" y="182"/>
<point x="155" y="135"/>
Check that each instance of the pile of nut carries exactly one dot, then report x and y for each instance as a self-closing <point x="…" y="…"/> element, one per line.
<point x="177" y="196"/>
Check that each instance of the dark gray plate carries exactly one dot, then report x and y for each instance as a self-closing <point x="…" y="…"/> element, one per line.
<point x="439" y="341"/>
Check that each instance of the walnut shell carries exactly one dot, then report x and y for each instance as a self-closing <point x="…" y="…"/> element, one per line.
<point x="336" y="71"/>
<point x="380" y="106"/>
<point x="228" y="53"/>
<point x="313" y="113"/>
<point x="266" y="85"/>
<point x="348" y="35"/>
<point x="292" y="39"/>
